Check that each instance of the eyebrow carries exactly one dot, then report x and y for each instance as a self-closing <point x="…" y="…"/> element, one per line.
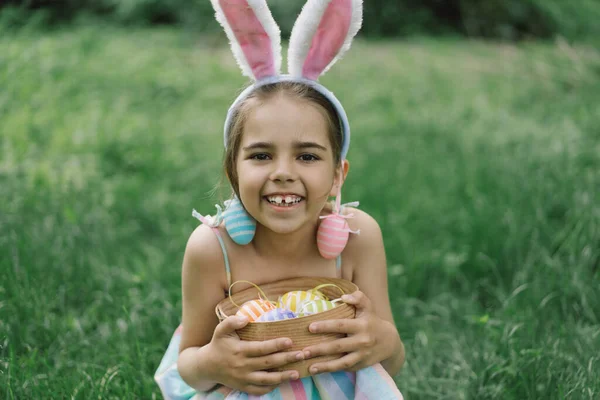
<point x="297" y="145"/>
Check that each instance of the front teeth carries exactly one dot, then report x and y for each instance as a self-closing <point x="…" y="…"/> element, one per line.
<point x="287" y="199"/>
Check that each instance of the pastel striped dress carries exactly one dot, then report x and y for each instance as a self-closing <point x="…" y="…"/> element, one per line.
<point x="371" y="383"/>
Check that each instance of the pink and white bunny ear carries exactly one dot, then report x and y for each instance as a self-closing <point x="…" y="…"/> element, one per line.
<point x="254" y="36"/>
<point x="321" y="35"/>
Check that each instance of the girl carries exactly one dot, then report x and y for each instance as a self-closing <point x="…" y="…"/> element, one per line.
<point x="286" y="138"/>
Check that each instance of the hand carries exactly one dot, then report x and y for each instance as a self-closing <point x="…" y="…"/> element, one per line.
<point x="365" y="344"/>
<point x="242" y="364"/>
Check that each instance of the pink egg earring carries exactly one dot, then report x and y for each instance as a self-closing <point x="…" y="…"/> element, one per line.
<point x="333" y="233"/>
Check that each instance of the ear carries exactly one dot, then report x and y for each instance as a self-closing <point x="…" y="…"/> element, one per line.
<point x="253" y="34"/>
<point x="322" y="33"/>
<point x="340" y="177"/>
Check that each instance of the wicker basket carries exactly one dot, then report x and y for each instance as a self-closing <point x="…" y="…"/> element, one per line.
<point x="296" y="328"/>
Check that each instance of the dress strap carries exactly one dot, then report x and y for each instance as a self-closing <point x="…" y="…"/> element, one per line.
<point x="227" y="269"/>
<point x="338" y="265"/>
<point x="213" y="222"/>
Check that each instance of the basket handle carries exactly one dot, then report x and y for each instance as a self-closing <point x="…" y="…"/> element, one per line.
<point x="317" y="289"/>
<point x="260" y="291"/>
<point x="220" y="313"/>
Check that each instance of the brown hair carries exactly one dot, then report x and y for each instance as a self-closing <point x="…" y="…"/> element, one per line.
<point x="260" y="95"/>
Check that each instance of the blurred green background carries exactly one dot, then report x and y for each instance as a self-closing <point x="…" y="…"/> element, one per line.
<point x="504" y="19"/>
<point x="476" y="145"/>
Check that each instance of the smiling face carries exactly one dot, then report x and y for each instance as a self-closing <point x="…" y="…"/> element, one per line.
<point x="285" y="165"/>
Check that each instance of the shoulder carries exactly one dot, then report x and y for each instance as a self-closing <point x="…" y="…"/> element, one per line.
<point x="366" y="244"/>
<point x="203" y="252"/>
<point x="368" y="226"/>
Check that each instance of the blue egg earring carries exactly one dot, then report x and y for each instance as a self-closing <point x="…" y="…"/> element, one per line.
<point x="240" y="226"/>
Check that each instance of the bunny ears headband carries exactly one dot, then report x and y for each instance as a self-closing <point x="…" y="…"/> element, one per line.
<point x="322" y="33"/>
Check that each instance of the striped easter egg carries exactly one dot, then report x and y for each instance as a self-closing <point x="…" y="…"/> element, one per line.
<point x="316" y="306"/>
<point x="277" y="314"/>
<point x="293" y="300"/>
<point x="253" y="309"/>
<point x="332" y="236"/>
<point x="240" y="226"/>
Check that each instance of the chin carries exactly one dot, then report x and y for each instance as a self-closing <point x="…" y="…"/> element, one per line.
<point x="289" y="226"/>
<point x="283" y="227"/>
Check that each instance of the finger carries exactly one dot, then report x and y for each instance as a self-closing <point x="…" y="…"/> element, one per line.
<point x="257" y="349"/>
<point x="358" y="299"/>
<point x="344" y="363"/>
<point x="338" y="346"/>
<point x="347" y="326"/>
<point x="263" y="378"/>
<point x="229" y="325"/>
<point x="275" y="360"/>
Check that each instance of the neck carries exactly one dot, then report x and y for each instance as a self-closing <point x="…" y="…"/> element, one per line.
<point x="291" y="247"/>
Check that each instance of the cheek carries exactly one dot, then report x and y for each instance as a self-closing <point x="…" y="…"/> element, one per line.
<point x="250" y="181"/>
<point x="323" y="183"/>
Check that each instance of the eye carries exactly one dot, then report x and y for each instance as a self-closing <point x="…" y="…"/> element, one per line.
<point x="259" y="156"/>
<point x="309" y="157"/>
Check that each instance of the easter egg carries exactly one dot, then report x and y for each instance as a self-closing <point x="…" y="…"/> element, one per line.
<point x="253" y="309"/>
<point x="316" y="306"/>
<point x="332" y="236"/>
<point x="292" y="300"/>
<point x="240" y="226"/>
<point x="277" y="314"/>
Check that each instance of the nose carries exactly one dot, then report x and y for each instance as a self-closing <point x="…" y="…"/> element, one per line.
<point x="283" y="171"/>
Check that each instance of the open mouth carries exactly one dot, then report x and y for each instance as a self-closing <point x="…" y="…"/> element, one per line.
<point x="284" y="200"/>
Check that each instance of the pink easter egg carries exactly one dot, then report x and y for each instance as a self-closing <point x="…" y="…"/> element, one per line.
<point x="253" y="309"/>
<point x="332" y="236"/>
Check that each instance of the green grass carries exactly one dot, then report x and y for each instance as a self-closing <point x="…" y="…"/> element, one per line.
<point x="480" y="161"/>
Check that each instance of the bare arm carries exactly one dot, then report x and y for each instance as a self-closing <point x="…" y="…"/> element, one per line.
<point x="202" y="289"/>
<point x="370" y="275"/>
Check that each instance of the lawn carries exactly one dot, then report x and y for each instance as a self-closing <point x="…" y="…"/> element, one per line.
<point x="481" y="162"/>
